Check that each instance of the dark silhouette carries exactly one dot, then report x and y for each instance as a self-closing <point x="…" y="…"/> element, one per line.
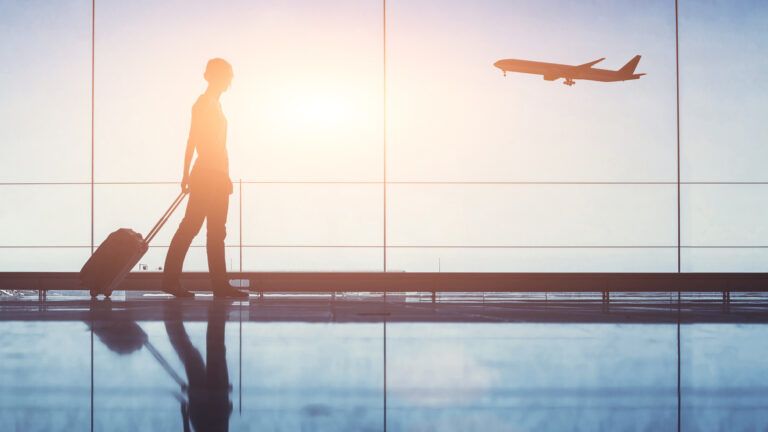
<point x="208" y="390"/>
<point x="209" y="187"/>
<point x="553" y="71"/>
<point x="116" y="329"/>
<point x="204" y="397"/>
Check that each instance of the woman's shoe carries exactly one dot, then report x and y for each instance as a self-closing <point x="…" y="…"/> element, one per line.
<point x="175" y="289"/>
<point x="225" y="291"/>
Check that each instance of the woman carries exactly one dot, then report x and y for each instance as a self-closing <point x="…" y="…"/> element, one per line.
<point x="208" y="185"/>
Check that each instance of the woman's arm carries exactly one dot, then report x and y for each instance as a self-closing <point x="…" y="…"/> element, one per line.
<point x="190" y="151"/>
<point x="187" y="162"/>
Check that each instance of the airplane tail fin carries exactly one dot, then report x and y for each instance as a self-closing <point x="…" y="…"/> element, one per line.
<point x="629" y="68"/>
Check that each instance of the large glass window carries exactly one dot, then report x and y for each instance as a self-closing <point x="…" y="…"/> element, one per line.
<point x="45" y="80"/>
<point x="312" y="226"/>
<point x="513" y="227"/>
<point x="723" y="49"/>
<point x="484" y="172"/>
<point x="305" y="106"/>
<point x="44" y="227"/>
<point x="454" y="117"/>
<point x="499" y="168"/>
<point x="305" y="102"/>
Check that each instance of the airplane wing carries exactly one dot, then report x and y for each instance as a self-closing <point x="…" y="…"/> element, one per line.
<point x="590" y="64"/>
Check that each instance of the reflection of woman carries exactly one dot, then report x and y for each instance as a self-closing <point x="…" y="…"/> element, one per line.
<point x="117" y="330"/>
<point x="208" y="385"/>
<point x="209" y="405"/>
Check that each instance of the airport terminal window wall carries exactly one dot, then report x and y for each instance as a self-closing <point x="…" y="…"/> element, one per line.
<point x="476" y="172"/>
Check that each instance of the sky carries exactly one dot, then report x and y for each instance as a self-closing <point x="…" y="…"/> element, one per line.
<point x="307" y="105"/>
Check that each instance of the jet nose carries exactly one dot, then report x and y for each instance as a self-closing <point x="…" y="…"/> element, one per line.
<point x="497" y="64"/>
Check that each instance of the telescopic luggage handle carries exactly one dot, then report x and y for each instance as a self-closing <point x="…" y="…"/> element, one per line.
<point x="163" y="219"/>
<point x="164" y="363"/>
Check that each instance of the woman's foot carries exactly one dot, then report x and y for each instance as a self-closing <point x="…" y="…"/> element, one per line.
<point x="224" y="290"/>
<point x="175" y="289"/>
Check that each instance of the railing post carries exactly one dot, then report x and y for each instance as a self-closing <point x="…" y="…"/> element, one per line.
<point x="726" y="296"/>
<point x="240" y="228"/>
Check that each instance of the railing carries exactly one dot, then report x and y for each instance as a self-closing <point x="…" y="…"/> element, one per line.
<point x="434" y="283"/>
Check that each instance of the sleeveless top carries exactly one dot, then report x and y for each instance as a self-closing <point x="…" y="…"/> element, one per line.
<point x="208" y="133"/>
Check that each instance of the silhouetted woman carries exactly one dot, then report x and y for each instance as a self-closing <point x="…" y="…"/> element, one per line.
<point x="209" y="187"/>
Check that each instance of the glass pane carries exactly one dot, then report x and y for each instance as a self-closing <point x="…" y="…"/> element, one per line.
<point x="531" y="260"/>
<point x="724" y="215"/>
<point x="723" y="51"/>
<point x="45" y="83"/>
<point x="538" y="215"/>
<point x="454" y="117"/>
<point x="718" y="216"/>
<point x="51" y="215"/>
<point x="305" y="103"/>
<point x="725" y="259"/>
<point x="312" y="259"/>
<point x="41" y="259"/>
<point x="312" y="215"/>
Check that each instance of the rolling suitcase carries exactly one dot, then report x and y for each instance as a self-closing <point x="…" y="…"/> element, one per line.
<point x="118" y="254"/>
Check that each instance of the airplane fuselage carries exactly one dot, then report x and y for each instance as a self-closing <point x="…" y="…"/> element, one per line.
<point x="553" y="71"/>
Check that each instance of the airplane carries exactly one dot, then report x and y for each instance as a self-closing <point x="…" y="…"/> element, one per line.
<point x="553" y="71"/>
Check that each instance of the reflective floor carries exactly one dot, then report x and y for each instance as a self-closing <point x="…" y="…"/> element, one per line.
<point x="363" y="364"/>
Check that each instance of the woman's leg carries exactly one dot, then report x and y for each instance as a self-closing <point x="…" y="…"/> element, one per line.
<point x="217" y="232"/>
<point x="216" y="228"/>
<point x="188" y="229"/>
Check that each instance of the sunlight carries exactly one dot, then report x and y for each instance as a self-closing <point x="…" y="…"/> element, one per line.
<point x="316" y="109"/>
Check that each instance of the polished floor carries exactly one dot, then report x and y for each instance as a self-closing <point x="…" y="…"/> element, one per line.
<point x="363" y="363"/>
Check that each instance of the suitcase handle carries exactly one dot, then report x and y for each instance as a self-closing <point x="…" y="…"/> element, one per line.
<point x="164" y="363"/>
<point x="163" y="219"/>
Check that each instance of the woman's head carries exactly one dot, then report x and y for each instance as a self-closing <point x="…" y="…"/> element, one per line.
<point x="218" y="73"/>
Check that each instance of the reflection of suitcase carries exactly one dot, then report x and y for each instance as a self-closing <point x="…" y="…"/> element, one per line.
<point x="118" y="254"/>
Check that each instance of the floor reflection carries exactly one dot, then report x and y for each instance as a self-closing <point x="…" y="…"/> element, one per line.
<point x="324" y="366"/>
<point x="204" y="396"/>
<point x="208" y="406"/>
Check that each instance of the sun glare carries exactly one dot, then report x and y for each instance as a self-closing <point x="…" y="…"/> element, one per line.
<point x="317" y="109"/>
